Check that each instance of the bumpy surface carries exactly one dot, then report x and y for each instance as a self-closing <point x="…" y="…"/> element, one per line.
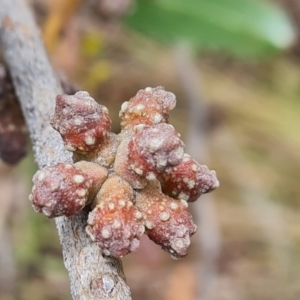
<point x="153" y="148"/>
<point x="149" y="106"/>
<point x="106" y="153"/>
<point x="122" y="165"/>
<point x="81" y="121"/>
<point x="168" y="222"/>
<point x="188" y="180"/>
<point x="147" y="152"/>
<point x="137" y="181"/>
<point x="115" y="224"/>
<point x="64" y="189"/>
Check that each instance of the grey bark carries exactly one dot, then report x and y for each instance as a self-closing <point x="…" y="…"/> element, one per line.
<point x="91" y="275"/>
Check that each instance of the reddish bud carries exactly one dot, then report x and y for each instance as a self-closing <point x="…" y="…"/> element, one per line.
<point x="189" y="180"/>
<point x="64" y="189"/>
<point x="95" y="174"/>
<point x="105" y="155"/>
<point x="149" y="106"/>
<point x="168" y="222"/>
<point x="122" y="162"/>
<point x="115" y="224"/>
<point x="81" y="121"/>
<point x="148" y="152"/>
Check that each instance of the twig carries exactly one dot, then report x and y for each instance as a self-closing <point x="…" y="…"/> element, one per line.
<point x="208" y="232"/>
<point x="91" y="275"/>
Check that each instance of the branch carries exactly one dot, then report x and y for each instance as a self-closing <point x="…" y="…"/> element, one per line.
<point x="91" y="275"/>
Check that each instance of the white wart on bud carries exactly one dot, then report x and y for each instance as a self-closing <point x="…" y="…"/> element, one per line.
<point x="82" y="123"/>
<point x="168" y="222"/>
<point x="64" y="189"/>
<point x="115" y="224"/>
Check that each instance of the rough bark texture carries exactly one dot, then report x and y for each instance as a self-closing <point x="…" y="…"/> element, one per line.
<point x="91" y="275"/>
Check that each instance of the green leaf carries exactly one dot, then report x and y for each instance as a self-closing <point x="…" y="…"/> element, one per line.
<point x="247" y="28"/>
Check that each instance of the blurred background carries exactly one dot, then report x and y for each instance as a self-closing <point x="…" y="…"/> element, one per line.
<point x="234" y="66"/>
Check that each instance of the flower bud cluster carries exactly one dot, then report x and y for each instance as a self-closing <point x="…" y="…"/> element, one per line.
<point x="139" y="181"/>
